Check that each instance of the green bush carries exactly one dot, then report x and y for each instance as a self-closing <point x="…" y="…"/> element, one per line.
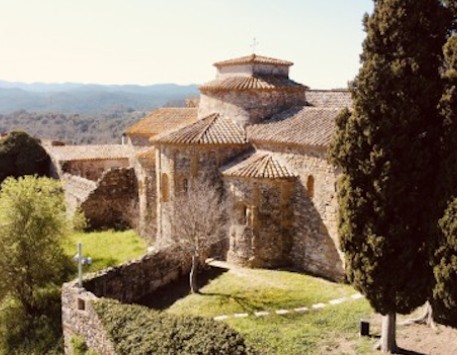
<point x="80" y="347"/>
<point x="138" y="330"/>
<point x="21" y="333"/>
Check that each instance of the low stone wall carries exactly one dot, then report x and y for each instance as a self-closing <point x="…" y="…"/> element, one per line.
<point x="131" y="281"/>
<point x="126" y="283"/>
<point x="80" y="319"/>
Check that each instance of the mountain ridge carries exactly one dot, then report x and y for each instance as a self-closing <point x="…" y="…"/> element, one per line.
<point x="88" y="98"/>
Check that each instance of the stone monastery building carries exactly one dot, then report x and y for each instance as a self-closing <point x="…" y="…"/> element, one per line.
<point x="261" y="135"/>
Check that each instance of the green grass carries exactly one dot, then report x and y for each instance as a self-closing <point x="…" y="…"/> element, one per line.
<point x="332" y="330"/>
<point x="107" y="248"/>
<point x="249" y="290"/>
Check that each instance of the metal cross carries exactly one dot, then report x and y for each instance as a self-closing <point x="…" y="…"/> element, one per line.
<point x="254" y="44"/>
<point x="81" y="260"/>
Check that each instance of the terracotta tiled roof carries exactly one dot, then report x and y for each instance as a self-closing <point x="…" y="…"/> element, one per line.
<point x="329" y="98"/>
<point x="90" y="152"/>
<point x="308" y="126"/>
<point x="259" y="165"/>
<point x="212" y="129"/>
<point x="242" y="83"/>
<point x="162" y="120"/>
<point x="253" y="59"/>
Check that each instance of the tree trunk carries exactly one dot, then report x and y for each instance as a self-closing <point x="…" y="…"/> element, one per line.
<point x="388" y="342"/>
<point x="193" y="275"/>
<point x="426" y="318"/>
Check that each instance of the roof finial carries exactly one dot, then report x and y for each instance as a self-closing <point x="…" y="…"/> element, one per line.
<point x="254" y="45"/>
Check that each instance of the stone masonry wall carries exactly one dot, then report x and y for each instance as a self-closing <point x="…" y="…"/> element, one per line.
<point x="147" y="194"/>
<point x="80" y="319"/>
<point x="93" y="169"/>
<point x="315" y="242"/>
<point x="76" y="189"/>
<point x="248" y="107"/>
<point x="261" y="225"/>
<point x="126" y="283"/>
<point x="114" y="203"/>
<point x="178" y="165"/>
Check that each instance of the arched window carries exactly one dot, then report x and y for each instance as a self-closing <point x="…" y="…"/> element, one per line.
<point x="165" y="188"/>
<point x="310" y="186"/>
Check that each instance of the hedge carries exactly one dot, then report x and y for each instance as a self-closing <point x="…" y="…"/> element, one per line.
<point x="137" y="330"/>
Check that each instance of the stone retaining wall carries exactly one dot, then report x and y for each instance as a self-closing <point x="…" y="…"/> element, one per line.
<point x="126" y="283"/>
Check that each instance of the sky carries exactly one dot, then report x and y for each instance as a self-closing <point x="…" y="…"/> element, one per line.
<point x="177" y="41"/>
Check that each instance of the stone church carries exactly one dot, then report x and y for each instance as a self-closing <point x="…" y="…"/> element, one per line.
<point x="261" y="135"/>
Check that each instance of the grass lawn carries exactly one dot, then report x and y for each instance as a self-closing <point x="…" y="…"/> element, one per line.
<point x="332" y="330"/>
<point x="107" y="248"/>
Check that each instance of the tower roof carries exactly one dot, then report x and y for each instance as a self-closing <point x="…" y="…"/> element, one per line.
<point x="259" y="165"/>
<point x="253" y="59"/>
<point x="240" y="83"/>
<point x="212" y="129"/>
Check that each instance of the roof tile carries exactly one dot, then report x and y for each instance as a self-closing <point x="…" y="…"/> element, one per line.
<point x="259" y="165"/>
<point x="309" y="126"/>
<point x="212" y="129"/>
<point x="329" y="98"/>
<point x="90" y="152"/>
<point x="253" y="59"/>
<point x="243" y="83"/>
<point x="162" y="120"/>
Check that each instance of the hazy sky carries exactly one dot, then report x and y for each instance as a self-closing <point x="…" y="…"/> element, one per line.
<point x="152" y="41"/>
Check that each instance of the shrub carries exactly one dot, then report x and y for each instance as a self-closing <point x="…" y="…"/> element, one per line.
<point x="22" y="155"/>
<point x="138" y="330"/>
<point x="22" y="334"/>
<point x="80" y="347"/>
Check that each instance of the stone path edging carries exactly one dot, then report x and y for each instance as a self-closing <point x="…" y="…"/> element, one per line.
<point x="316" y="306"/>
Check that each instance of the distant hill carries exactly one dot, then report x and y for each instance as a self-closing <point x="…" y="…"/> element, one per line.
<point x="82" y="113"/>
<point x="70" y="98"/>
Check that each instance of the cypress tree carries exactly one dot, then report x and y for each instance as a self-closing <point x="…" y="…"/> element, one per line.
<point x="444" y="300"/>
<point x="386" y="148"/>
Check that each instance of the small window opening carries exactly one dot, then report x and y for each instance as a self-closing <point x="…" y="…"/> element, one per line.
<point x="165" y="188"/>
<point x="81" y="304"/>
<point x="310" y="186"/>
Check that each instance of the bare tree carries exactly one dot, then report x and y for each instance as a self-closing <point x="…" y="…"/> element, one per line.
<point x="199" y="220"/>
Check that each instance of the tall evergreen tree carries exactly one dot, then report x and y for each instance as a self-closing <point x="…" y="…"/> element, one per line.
<point x="386" y="148"/>
<point x="444" y="298"/>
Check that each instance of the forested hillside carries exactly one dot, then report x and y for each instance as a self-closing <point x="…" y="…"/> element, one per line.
<point x="87" y="98"/>
<point x="71" y="128"/>
<point x="82" y="113"/>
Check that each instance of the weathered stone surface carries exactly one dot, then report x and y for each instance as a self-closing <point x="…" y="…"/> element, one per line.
<point x="114" y="202"/>
<point x="315" y="222"/>
<point x="126" y="283"/>
<point x="261" y="229"/>
<point x="147" y="194"/>
<point x="248" y="107"/>
<point x="177" y="165"/>
<point x="80" y="319"/>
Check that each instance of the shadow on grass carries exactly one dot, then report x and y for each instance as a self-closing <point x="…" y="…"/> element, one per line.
<point x="246" y="303"/>
<point x="174" y="291"/>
